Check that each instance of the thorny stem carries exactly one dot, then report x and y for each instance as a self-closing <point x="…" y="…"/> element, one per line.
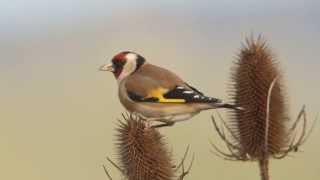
<point x="264" y="168"/>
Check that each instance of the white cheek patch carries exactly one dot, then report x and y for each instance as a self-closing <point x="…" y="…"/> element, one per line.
<point x="131" y="57"/>
<point x="129" y="67"/>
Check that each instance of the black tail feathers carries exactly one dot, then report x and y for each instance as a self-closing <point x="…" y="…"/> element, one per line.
<point x="229" y="106"/>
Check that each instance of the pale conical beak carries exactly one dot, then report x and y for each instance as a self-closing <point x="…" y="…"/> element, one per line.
<point x="106" y="67"/>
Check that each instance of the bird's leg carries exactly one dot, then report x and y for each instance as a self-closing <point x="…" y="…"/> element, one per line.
<point x="165" y="123"/>
<point x="148" y="121"/>
<point x="148" y="124"/>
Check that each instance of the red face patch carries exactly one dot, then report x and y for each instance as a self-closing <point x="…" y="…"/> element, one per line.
<point x="118" y="62"/>
<point x="121" y="56"/>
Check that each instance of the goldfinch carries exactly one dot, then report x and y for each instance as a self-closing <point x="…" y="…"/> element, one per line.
<point x="155" y="93"/>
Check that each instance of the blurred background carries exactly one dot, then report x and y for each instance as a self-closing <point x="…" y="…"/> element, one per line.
<point x="58" y="113"/>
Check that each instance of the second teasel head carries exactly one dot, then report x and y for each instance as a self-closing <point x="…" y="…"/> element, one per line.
<point x="253" y="73"/>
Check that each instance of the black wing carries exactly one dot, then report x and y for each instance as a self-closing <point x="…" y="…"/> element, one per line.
<point x="188" y="94"/>
<point x="194" y="89"/>
<point x="191" y="95"/>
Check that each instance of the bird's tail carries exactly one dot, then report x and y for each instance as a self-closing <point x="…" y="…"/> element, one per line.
<point x="227" y="105"/>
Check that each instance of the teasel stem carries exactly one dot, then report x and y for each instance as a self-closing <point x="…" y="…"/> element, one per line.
<point x="264" y="168"/>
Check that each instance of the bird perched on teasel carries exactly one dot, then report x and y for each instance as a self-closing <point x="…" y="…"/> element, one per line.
<point x="155" y="93"/>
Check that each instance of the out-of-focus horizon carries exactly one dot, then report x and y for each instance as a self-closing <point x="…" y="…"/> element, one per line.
<point x="58" y="113"/>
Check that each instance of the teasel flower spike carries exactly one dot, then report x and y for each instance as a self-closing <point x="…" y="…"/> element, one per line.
<point x="142" y="151"/>
<point x="261" y="130"/>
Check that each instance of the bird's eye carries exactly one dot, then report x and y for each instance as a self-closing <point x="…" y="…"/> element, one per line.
<point x="118" y="64"/>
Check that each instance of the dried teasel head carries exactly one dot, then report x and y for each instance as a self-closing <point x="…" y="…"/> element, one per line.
<point x="263" y="128"/>
<point x="265" y="114"/>
<point x="142" y="151"/>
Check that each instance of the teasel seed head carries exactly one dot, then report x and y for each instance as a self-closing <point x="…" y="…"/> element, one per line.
<point x="256" y="69"/>
<point x="142" y="151"/>
<point x="262" y="128"/>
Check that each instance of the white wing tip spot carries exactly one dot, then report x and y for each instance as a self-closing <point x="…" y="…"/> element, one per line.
<point x="188" y="92"/>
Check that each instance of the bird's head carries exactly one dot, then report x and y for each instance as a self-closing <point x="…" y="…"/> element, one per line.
<point x="123" y="64"/>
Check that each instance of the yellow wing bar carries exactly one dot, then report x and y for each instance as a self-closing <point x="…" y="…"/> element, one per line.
<point x="158" y="93"/>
